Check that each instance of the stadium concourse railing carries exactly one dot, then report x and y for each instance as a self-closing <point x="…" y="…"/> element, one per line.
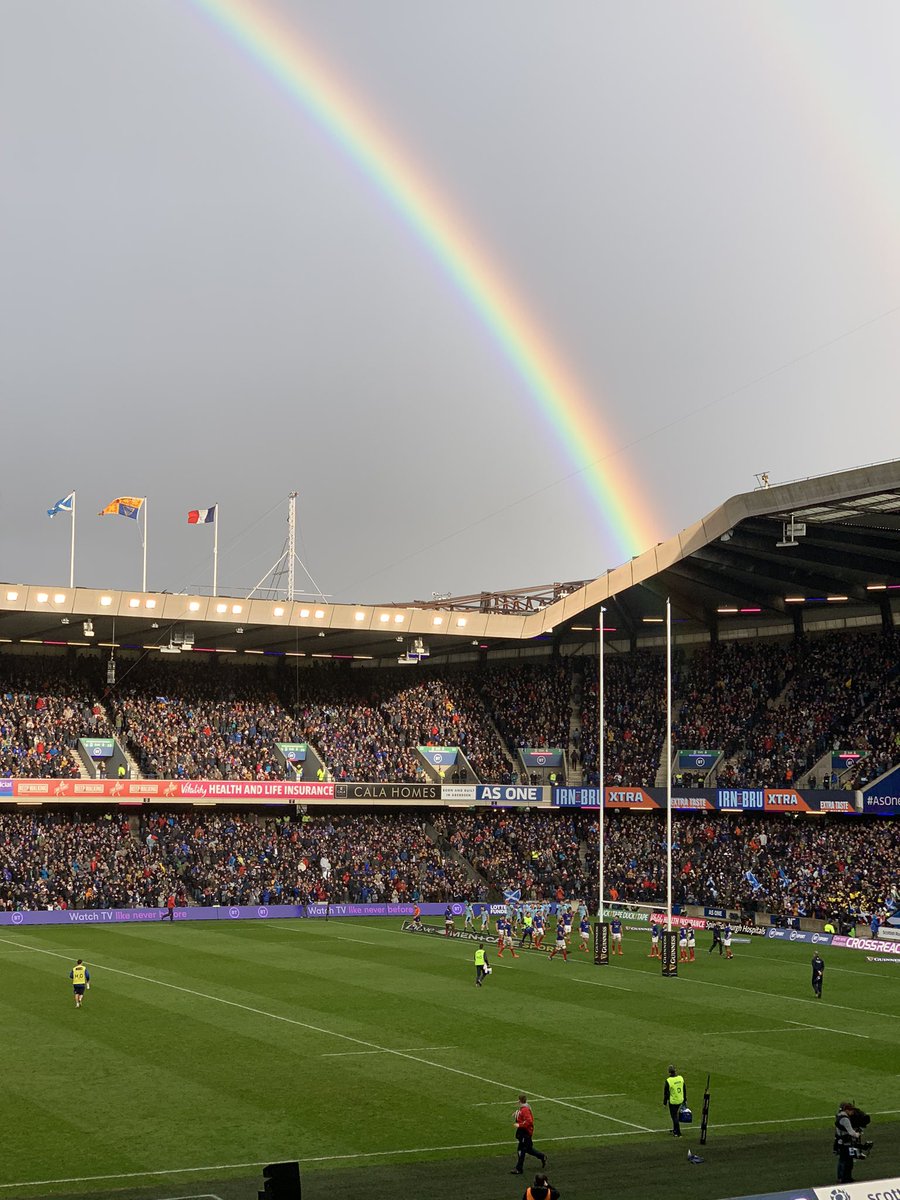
<point x="288" y="792"/>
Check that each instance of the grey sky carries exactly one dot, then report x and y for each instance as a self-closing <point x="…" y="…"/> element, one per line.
<point x="203" y="299"/>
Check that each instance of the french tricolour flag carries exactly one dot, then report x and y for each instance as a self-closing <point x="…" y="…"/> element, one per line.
<point x="202" y="516"/>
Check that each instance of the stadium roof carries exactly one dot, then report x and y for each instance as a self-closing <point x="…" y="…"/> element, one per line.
<point x="775" y="553"/>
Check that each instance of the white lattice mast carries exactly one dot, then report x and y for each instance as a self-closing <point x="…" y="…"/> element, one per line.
<point x="292" y="542"/>
<point x="288" y="559"/>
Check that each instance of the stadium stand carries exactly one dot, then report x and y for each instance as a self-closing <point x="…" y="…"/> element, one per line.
<point x="45" y="707"/>
<point x="791" y="867"/>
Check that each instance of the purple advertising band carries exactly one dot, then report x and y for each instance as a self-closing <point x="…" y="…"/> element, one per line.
<point x="235" y="912"/>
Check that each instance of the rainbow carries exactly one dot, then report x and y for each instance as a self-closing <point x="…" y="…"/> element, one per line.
<point x="620" y="502"/>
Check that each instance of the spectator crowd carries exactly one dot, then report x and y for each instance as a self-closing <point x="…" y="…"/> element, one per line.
<point x="774" y="710"/>
<point x="789" y="865"/>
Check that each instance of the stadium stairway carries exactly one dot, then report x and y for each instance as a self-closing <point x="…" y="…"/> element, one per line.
<point x="454" y="855"/>
<point x="575" y="775"/>
<point x="660" y="780"/>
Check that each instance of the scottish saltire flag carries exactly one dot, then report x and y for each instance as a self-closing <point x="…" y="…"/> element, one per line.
<point x="752" y="880"/>
<point x="202" y="516"/>
<point x="511" y="897"/>
<point x="65" y="505"/>
<point x="123" y="506"/>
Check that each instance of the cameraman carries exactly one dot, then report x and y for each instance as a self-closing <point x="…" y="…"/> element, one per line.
<point x="541" y="1189"/>
<point x="848" y="1144"/>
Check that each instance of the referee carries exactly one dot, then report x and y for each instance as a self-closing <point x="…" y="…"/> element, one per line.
<point x="674" y="1095"/>
<point x="480" y="964"/>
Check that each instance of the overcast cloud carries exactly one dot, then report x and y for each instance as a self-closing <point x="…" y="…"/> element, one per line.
<point x="203" y="300"/>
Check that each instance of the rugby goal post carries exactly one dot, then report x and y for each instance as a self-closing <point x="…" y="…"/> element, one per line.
<point x="635" y="918"/>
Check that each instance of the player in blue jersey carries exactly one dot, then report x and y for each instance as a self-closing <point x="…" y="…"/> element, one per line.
<point x="692" y="944"/>
<point x="584" y="929"/>
<point x="538" y="928"/>
<point x="560" y="947"/>
<point x="726" y="939"/>
<point x="682" y="944"/>
<point x="485" y="918"/>
<point x="654" y="941"/>
<point x="567" y="921"/>
<point x="470" y="917"/>
<point x="505" y="938"/>
<point x="615" y="929"/>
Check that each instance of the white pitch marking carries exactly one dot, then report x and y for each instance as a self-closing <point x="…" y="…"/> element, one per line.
<point x="568" y="1137"/>
<point x="346" y="1037"/>
<point x="409" y="1050"/>
<point x="826" y="1029"/>
<point x="394" y="1153"/>
<point x="597" y="983"/>
<point x="738" y="1032"/>
<point x="202" y="1196"/>
<point x="592" y="1096"/>
<point x="866" y="1012"/>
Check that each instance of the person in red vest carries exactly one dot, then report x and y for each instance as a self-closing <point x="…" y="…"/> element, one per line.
<point x="524" y="1118"/>
<point x="170" y="908"/>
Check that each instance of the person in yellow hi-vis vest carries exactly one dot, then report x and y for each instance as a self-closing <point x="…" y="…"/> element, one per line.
<point x="674" y="1094"/>
<point x="81" y="979"/>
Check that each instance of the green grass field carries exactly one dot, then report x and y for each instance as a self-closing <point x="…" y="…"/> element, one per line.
<point x="204" y="1050"/>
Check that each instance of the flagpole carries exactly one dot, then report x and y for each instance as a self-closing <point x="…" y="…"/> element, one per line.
<point x="669" y="765"/>
<point x="72" y="549"/>
<point x="144" y="580"/>
<point x="216" y="552"/>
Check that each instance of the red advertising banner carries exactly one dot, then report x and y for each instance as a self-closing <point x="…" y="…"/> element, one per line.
<point x="637" y="798"/>
<point x="141" y="791"/>
<point x="784" y="800"/>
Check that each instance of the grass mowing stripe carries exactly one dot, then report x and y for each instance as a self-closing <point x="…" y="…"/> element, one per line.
<point x="415" y="1150"/>
<point x="708" y="982"/>
<point x="771" y="995"/>
<point x="329" y="1033"/>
